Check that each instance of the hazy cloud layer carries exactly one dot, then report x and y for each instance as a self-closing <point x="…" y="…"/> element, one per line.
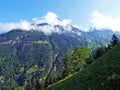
<point x="15" y="25"/>
<point x="101" y="21"/>
<point x="98" y="20"/>
<point x="50" y="18"/>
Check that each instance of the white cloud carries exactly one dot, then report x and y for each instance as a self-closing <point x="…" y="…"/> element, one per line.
<point x="97" y="14"/>
<point x="77" y="26"/>
<point x="25" y="25"/>
<point x="81" y="28"/>
<point x="50" y="18"/>
<point x="101" y="21"/>
<point x="64" y="22"/>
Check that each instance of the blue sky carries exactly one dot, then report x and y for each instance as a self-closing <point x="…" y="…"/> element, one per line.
<point x="80" y="12"/>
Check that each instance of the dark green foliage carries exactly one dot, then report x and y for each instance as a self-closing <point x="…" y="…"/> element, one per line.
<point x="48" y="81"/>
<point x="114" y="81"/>
<point x="102" y="74"/>
<point x="37" y="85"/>
<point x="108" y="47"/>
<point x="20" y="55"/>
<point x="79" y="57"/>
<point x="99" y="52"/>
<point x="89" y="60"/>
<point x="76" y="60"/>
<point x="68" y="67"/>
<point x="21" y="51"/>
<point x="115" y="40"/>
<point x="28" y="85"/>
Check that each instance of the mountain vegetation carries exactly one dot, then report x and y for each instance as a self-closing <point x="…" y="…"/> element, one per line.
<point x="76" y="60"/>
<point x="33" y="59"/>
<point x="102" y="74"/>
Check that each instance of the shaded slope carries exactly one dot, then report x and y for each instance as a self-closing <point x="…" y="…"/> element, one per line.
<point x="103" y="74"/>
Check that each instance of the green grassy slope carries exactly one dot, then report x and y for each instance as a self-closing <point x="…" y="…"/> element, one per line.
<point x="103" y="74"/>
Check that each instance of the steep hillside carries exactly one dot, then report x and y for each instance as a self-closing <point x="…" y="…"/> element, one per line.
<point x="103" y="74"/>
<point x="32" y="54"/>
<point x="27" y="55"/>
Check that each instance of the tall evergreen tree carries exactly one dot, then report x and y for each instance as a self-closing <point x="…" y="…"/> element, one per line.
<point x="115" y="40"/>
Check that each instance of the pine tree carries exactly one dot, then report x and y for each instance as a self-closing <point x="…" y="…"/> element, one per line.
<point x="115" y="40"/>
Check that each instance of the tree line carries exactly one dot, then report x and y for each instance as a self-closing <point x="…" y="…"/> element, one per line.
<point x="101" y="50"/>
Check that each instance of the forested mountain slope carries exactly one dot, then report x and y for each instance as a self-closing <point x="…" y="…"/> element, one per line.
<point x="30" y="55"/>
<point x="102" y="74"/>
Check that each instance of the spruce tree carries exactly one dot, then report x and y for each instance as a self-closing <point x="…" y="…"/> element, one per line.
<point x="115" y="40"/>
